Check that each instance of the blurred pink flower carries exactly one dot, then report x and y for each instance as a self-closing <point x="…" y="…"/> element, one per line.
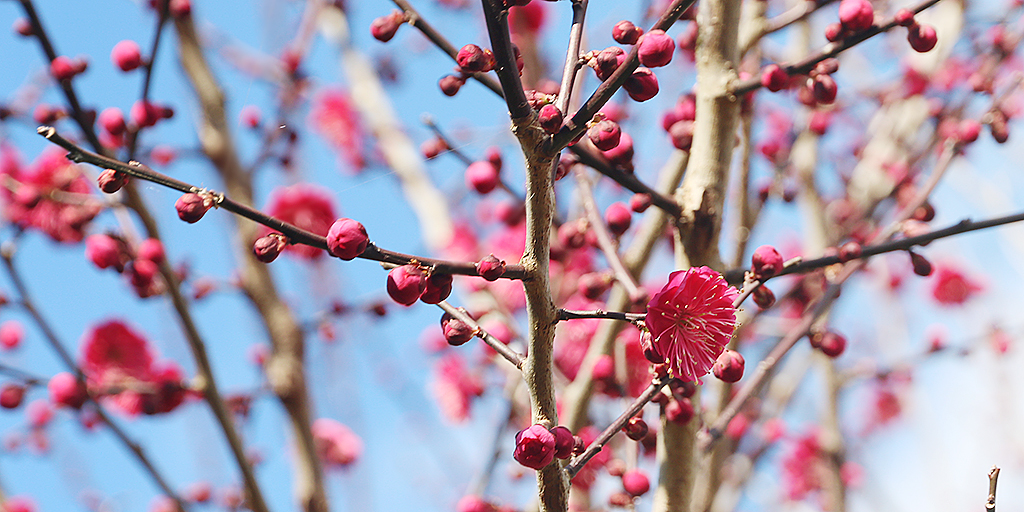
<point x="691" y="320"/>
<point x="306" y="206"/>
<point x="337" y="120"/>
<point x="454" y="387"/>
<point x="337" y="445"/>
<point x="951" y="287"/>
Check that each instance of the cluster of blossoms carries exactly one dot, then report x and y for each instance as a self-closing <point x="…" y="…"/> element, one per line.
<point x="119" y="364"/>
<point x="537" y="446"/>
<point x="140" y="264"/>
<point x="51" y="195"/>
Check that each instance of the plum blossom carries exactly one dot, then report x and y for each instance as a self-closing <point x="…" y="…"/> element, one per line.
<point x="335" y="117"/>
<point x="337" y="445"/>
<point x="691" y="320"/>
<point x="308" y="207"/>
<point x="454" y="387"/>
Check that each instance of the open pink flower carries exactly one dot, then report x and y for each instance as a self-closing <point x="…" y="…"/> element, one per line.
<point x="691" y="320"/>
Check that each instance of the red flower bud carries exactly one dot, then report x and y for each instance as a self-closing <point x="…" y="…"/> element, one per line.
<point x="922" y="38"/>
<point x="563" y="442"/>
<point x="681" y="134"/>
<point x="347" y="239"/>
<point x="62" y="68"/>
<point x="11" y="396"/>
<point x="482" y="176"/>
<point x="636" y="428"/>
<point x="856" y="15"/>
<point x="774" y="78"/>
<point x="104" y="252"/>
<point x="66" y="390"/>
<point x="621" y="156"/>
<point x="832" y="344"/>
<point x="824" y="89"/>
<point x="535" y="447"/>
<point x="191" y="207"/>
<point x="904" y="17"/>
<point x="640" y="202"/>
<point x="384" y="27"/>
<point x="450" y="84"/>
<point x="490" y="268"/>
<point x="635" y="482"/>
<point x="472" y="59"/>
<point x="625" y="32"/>
<point x="607" y="61"/>
<point x="656" y="48"/>
<point x="642" y="85"/>
<point x="550" y="118"/>
<point x="849" y="251"/>
<point x="112" y="120"/>
<point x="406" y="284"/>
<point x="764" y="297"/>
<point x="766" y="262"/>
<point x="618" y="217"/>
<point x="604" y="134"/>
<point x="729" y="366"/>
<point x="456" y="332"/>
<point x="151" y="249"/>
<point x="268" y="248"/>
<point x="922" y="266"/>
<point x="968" y="130"/>
<point x="439" y="287"/>
<point x="126" y="55"/>
<point x="679" y="412"/>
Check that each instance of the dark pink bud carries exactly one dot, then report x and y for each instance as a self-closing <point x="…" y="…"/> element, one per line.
<point x="592" y="285"/>
<point x="679" y="412"/>
<point x="656" y="48"/>
<point x="651" y="352"/>
<point x="490" y="268"/>
<point x="550" y="118"/>
<point x="439" y="287"/>
<point x="640" y="202"/>
<point x="111" y="181"/>
<point x="625" y="32"/>
<point x="968" y="130"/>
<point x="832" y="344"/>
<point x="450" y="84"/>
<point x="11" y="396"/>
<point x="563" y="442"/>
<point x="482" y="176"/>
<point x="112" y="120"/>
<point x="62" y="68"/>
<point x="142" y="273"/>
<point x="347" y="239"/>
<point x="856" y="15"/>
<point x="642" y="85"/>
<point x="618" y="217"/>
<point x="191" y="207"/>
<point x="764" y="297"/>
<point x="729" y="366"/>
<point x="66" y="390"/>
<point x="126" y="55"/>
<point x="180" y="8"/>
<point x="826" y="67"/>
<point x="433" y="147"/>
<point x="998" y="126"/>
<point x="607" y="61"/>
<point x="456" y="332"/>
<point x="535" y="447"/>
<point x="604" y="134"/>
<point x="151" y="249"/>
<point x="565" y="164"/>
<point x="766" y="262"/>
<point x="473" y="59"/>
<point x="636" y="428"/>
<point x="834" y="32"/>
<point x="922" y="266"/>
<point x="572" y="235"/>
<point x="104" y="252"/>
<point x="23" y="27"/>
<point x="268" y="248"/>
<point x="922" y="38"/>
<point x="774" y="78"/>
<point x="250" y="116"/>
<point x="681" y="134"/>
<point x="384" y="27"/>
<point x="819" y="122"/>
<point x="493" y="155"/>
<point x="406" y="284"/>
<point x="635" y="482"/>
<point x="621" y="156"/>
<point x="904" y="17"/>
<point x="144" y="113"/>
<point x="824" y="89"/>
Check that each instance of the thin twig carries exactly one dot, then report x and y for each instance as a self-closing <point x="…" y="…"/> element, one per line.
<point x="502" y="349"/>
<point x="568" y="314"/>
<point x="295" y="234"/>
<point x="133" y="135"/>
<point x="993" y="478"/>
<point x="604" y="238"/>
<point x="803" y="66"/>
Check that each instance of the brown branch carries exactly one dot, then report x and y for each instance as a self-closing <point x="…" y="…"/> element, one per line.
<point x="576" y="125"/>
<point x="597" y="445"/>
<point x="993" y="479"/>
<point x="295" y="234"/>
<point x="629" y="180"/>
<point x="804" y="66"/>
<point x="496" y="18"/>
<point x="604" y="238"/>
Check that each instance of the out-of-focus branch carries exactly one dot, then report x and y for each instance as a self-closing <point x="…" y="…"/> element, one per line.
<point x="285" y="370"/>
<point x="803" y="66"/>
<point x="575" y="126"/>
<point x="629" y="180"/>
<point x="26" y="302"/>
<point x="294" y="233"/>
<point x="604" y="238"/>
